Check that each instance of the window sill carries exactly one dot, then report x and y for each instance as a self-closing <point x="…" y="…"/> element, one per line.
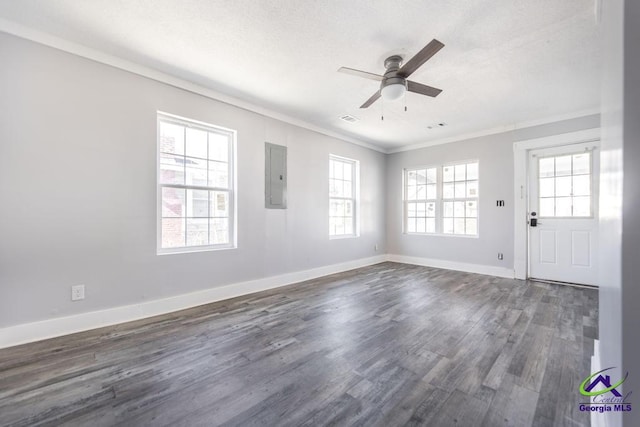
<point x="465" y="236"/>
<point x="194" y="249"/>
<point x="344" y="236"/>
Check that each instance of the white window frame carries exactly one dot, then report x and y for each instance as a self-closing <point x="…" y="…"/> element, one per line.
<point x="231" y="190"/>
<point x="435" y="200"/>
<point x="439" y="200"/>
<point x="464" y="199"/>
<point x="355" y="196"/>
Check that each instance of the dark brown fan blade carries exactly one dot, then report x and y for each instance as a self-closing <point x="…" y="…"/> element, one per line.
<point x="359" y="73"/>
<point x="420" y="58"/>
<point x="422" y="89"/>
<point x="371" y="100"/>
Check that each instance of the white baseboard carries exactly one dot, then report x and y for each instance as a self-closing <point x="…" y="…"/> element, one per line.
<point x="453" y="265"/>
<point x="36" y="331"/>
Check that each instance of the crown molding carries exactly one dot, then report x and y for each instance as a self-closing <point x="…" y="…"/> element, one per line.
<point x="58" y="43"/>
<point x="495" y="130"/>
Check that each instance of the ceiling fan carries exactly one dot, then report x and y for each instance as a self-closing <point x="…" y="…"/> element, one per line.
<point x="394" y="83"/>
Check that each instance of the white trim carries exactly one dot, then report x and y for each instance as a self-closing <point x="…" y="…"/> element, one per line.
<point x="520" y="188"/>
<point x="36" y="331"/>
<point x="494" y="131"/>
<point x="43" y="38"/>
<point x="116" y="62"/>
<point x="488" y="270"/>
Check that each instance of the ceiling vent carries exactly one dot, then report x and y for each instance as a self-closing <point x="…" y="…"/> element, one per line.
<point x="349" y="118"/>
<point x="436" y="125"/>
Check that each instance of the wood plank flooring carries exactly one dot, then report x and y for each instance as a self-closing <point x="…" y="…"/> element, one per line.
<point x="386" y="345"/>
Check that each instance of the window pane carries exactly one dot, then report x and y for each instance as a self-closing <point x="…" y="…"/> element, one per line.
<point x="447" y="174"/>
<point x="460" y="191"/>
<point x="219" y="204"/>
<point x="458" y="226"/>
<point x="421" y="176"/>
<point x="171" y="169"/>
<point x="582" y="206"/>
<point x="411" y="192"/>
<point x="581" y="163"/>
<point x="460" y="172"/>
<point x="472" y="226"/>
<point x="173" y="204"/>
<point x="431" y="192"/>
<point x="432" y="176"/>
<point x="563" y="165"/>
<point x="472" y="171"/>
<point x="472" y="209"/>
<point x="347" y="189"/>
<point x="195" y="171"/>
<point x="546" y="167"/>
<point x="348" y="208"/>
<point x="173" y="235"/>
<point x="472" y="188"/>
<point x="218" y="147"/>
<point x="347" y="172"/>
<point x="447" y="225"/>
<point x="421" y="209"/>
<point x="412" y="178"/>
<point x="198" y="203"/>
<point x="197" y="231"/>
<point x="431" y="225"/>
<point x="196" y="143"/>
<point x="447" y="191"/>
<point x="348" y="226"/>
<point x="421" y="192"/>
<point x="563" y="186"/>
<point x="421" y="225"/>
<point x="336" y="189"/>
<point x="411" y="225"/>
<point x="582" y="185"/>
<point x="337" y="207"/>
<point x="218" y="231"/>
<point x="547" y="187"/>
<point x="338" y="169"/>
<point x="411" y="209"/>
<point x="458" y="209"/>
<point x="448" y="209"/>
<point x="547" y="207"/>
<point x="431" y="210"/>
<point x="563" y="206"/>
<point x="171" y="138"/>
<point x="218" y="174"/>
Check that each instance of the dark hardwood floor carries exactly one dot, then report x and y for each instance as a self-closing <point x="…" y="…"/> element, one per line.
<point x="385" y="345"/>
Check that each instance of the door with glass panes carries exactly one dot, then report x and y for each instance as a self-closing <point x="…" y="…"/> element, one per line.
<point x="563" y="213"/>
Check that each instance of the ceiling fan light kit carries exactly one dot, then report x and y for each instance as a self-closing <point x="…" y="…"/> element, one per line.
<point x="394" y="83"/>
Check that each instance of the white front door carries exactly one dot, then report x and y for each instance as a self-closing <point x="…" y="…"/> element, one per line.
<point x="563" y="213"/>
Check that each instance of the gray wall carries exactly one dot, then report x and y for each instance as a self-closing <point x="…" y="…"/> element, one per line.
<point x="631" y="209"/>
<point x="78" y="190"/>
<point x="620" y="181"/>
<point x="495" y="154"/>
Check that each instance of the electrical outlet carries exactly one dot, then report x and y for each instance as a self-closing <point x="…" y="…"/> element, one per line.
<point x="375" y="247"/>
<point x="77" y="292"/>
<point x="500" y="256"/>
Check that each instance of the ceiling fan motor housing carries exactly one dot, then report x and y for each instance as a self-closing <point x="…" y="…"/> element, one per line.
<point x="393" y="86"/>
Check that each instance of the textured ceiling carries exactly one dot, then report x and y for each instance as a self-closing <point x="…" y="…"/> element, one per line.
<point x="505" y="62"/>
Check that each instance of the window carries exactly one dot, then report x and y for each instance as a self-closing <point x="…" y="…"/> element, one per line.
<point x="565" y="185"/>
<point x="442" y="199"/>
<point x="195" y="185"/>
<point x="460" y="199"/>
<point x="421" y="200"/>
<point x="343" y="197"/>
